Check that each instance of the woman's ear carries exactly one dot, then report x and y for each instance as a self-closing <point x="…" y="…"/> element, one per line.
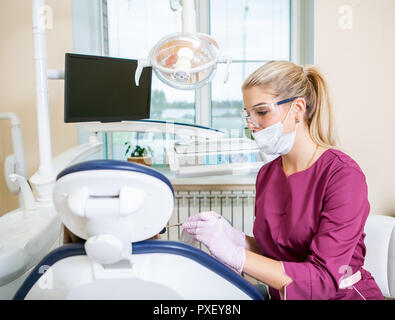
<point x="299" y="108"/>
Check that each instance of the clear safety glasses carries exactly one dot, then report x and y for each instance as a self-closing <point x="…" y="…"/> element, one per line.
<point x="257" y="113"/>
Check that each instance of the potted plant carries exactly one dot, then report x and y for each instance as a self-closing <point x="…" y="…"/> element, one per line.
<point x="248" y="134"/>
<point x="141" y="155"/>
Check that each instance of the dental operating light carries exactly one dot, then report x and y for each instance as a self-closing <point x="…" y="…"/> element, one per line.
<point x="186" y="60"/>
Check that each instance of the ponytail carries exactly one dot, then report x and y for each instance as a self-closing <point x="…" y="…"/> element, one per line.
<point x="320" y="114"/>
<point x="288" y="80"/>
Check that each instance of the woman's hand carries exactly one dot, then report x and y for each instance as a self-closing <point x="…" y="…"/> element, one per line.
<point x="225" y="242"/>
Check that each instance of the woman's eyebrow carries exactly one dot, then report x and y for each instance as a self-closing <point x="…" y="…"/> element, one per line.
<point x="258" y="104"/>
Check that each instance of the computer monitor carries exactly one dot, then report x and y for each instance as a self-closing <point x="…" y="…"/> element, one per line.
<point x="103" y="89"/>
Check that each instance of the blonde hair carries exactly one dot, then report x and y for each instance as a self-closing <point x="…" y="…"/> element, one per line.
<point x="287" y="80"/>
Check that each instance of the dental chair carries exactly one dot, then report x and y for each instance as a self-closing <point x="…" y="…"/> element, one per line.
<point x="380" y="252"/>
<point x="116" y="206"/>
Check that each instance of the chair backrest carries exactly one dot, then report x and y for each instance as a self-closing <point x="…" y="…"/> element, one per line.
<point x="380" y="252"/>
<point x="161" y="270"/>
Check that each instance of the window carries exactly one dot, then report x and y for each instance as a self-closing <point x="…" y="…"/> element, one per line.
<point x="252" y="32"/>
<point x="134" y="27"/>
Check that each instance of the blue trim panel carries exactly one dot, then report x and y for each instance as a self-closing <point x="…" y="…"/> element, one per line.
<point x="201" y="257"/>
<point x="114" y="165"/>
<point x="144" y="247"/>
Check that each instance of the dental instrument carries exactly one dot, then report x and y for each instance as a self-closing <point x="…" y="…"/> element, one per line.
<point x="15" y="163"/>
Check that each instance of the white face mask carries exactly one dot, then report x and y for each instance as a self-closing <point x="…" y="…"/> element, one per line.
<point x="273" y="141"/>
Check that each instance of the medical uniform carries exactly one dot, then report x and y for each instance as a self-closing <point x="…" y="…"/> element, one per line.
<point x="313" y="222"/>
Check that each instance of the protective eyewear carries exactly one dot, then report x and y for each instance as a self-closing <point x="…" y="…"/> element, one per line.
<point x="256" y="113"/>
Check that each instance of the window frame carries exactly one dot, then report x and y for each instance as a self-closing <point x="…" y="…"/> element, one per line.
<point x="88" y="36"/>
<point x="302" y="13"/>
<point x="302" y="43"/>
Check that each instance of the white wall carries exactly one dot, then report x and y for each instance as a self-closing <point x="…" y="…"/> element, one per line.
<point x="17" y="84"/>
<point x="359" y="64"/>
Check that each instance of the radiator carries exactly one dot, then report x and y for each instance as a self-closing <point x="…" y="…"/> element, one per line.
<point x="237" y="206"/>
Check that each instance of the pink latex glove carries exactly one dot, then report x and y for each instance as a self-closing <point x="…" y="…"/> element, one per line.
<point x="224" y="242"/>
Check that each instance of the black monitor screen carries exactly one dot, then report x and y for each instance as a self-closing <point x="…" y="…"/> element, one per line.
<point x="103" y="89"/>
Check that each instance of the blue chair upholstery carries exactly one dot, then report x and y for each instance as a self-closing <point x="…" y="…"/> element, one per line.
<point x="144" y="247"/>
<point x="114" y="165"/>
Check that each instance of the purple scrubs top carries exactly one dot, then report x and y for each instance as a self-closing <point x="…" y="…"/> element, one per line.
<point x="313" y="222"/>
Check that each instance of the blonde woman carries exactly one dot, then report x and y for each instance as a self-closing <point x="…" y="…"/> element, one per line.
<point x="311" y="201"/>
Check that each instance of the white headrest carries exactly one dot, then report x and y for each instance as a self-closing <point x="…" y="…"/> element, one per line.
<point x="128" y="201"/>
